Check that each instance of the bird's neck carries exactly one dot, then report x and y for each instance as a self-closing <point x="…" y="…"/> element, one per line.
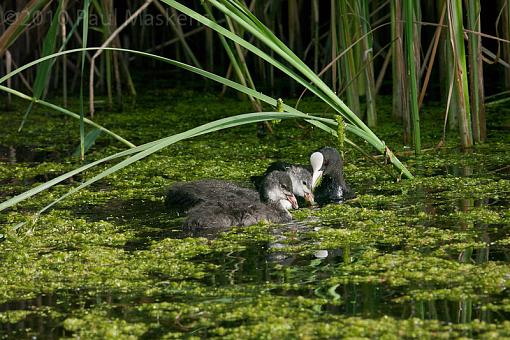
<point x="337" y="174"/>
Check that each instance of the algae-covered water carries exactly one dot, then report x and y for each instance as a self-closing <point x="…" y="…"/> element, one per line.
<point x="423" y="258"/>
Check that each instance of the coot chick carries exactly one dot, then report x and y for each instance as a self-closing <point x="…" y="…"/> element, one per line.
<point x="328" y="165"/>
<point x="300" y="175"/>
<point x="221" y="204"/>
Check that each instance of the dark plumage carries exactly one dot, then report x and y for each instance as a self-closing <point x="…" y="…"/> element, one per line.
<point x="328" y="164"/>
<point x="220" y="204"/>
<point x="300" y="175"/>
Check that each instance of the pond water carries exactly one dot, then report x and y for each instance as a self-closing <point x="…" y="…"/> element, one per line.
<point x="423" y="258"/>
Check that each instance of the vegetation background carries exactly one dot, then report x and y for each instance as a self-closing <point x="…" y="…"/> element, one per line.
<point x="450" y="51"/>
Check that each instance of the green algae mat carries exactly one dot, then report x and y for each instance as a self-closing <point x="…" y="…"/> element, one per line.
<point x="427" y="258"/>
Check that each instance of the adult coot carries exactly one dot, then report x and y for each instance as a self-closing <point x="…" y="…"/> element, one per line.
<point x="328" y="164"/>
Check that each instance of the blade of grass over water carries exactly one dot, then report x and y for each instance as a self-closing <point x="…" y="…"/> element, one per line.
<point x="90" y="139"/>
<point x="145" y="150"/>
<point x="351" y="128"/>
<point x="217" y="125"/>
<point x="209" y="75"/>
<point x="184" y="66"/>
<point x="319" y="122"/>
<point x="206" y="128"/>
<point x="239" y="13"/>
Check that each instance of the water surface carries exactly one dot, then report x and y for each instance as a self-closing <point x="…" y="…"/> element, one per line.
<point x="418" y="259"/>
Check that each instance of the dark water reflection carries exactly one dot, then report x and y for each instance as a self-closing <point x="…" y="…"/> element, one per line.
<point x="257" y="264"/>
<point x="25" y="154"/>
<point x="35" y="325"/>
<point x="45" y="313"/>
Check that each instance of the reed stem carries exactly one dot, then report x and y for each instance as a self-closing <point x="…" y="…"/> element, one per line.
<point x="411" y="73"/>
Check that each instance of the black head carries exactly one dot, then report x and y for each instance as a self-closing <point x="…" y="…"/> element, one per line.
<point x="332" y="159"/>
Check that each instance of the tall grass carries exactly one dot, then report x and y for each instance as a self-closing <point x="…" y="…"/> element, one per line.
<point x="401" y="94"/>
<point x="85" y="32"/>
<point x="367" y="53"/>
<point x="460" y="78"/>
<point x="348" y="62"/>
<point x="505" y="27"/>
<point x="19" y="26"/>
<point x="43" y="75"/>
<point x="332" y="26"/>
<point x="476" y="85"/>
<point x="342" y="37"/>
<point x="139" y="152"/>
<point x="411" y="67"/>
